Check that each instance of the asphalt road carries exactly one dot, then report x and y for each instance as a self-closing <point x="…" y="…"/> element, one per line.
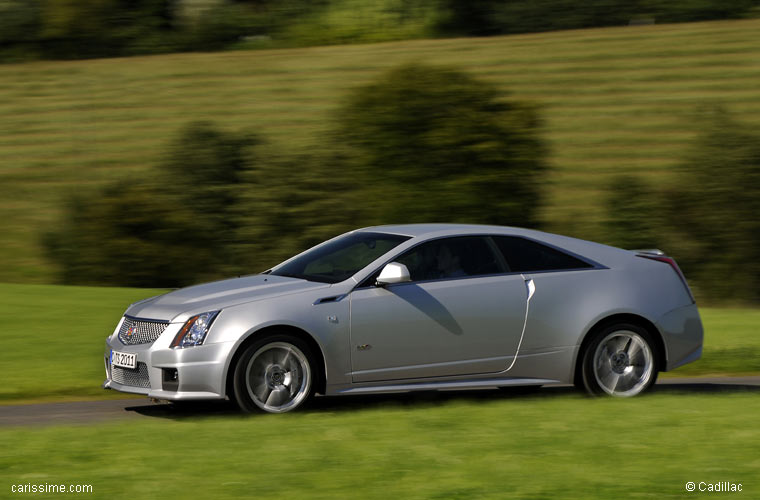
<point x="86" y="412"/>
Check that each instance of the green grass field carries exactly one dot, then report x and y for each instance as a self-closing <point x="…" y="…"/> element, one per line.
<point x="614" y="100"/>
<point x="466" y="447"/>
<point x="54" y="336"/>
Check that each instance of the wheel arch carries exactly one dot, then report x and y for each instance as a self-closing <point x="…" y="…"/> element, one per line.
<point x="320" y="380"/>
<point x="635" y="319"/>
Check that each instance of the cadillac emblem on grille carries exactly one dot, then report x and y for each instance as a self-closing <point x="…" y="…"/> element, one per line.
<point x="139" y="331"/>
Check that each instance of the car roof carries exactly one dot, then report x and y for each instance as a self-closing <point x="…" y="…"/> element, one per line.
<point x="430" y="230"/>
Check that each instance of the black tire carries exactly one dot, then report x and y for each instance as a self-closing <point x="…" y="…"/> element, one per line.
<point x="275" y="374"/>
<point x="621" y="360"/>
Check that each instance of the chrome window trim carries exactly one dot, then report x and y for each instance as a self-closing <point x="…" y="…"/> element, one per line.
<point x="511" y="273"/>
<point x="594" y="265"/>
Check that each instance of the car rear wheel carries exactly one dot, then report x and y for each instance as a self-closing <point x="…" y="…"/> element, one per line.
<point x="621" y="360"/>
<point x="274" y="374"/>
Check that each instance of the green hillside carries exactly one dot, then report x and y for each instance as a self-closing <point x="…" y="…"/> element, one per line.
<point x="614" y="100"/>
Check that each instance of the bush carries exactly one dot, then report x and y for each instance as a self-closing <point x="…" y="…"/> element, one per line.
<point x="434" y="144"/>
<point x="204" y="172"/>
<point x="707" y="219"/>
<point x="632" y="214"/>
<point x="173" y="228"/>
<point x="713" y="211"/>
<point x="212" y="209"/>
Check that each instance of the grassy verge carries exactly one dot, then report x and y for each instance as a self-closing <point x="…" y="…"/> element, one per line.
<point x="614" y="100"/>
<point x="53" y="340"/>
<point x="559" y="446"/>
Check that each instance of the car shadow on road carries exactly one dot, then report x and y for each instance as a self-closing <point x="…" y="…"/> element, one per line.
<point x="332" y="404"/>
<point x="184" y="410"/>
<point x="323" y="404"/>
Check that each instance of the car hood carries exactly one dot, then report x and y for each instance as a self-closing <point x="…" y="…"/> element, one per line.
<point x="180" y="304"/>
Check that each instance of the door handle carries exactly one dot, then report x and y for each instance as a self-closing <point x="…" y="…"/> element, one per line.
<point x="531" y="287"/>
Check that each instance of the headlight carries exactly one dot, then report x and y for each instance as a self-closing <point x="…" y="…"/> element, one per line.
<point x="194" y="331"/>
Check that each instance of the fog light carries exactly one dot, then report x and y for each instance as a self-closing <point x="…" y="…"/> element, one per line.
<point x="170" y="379"/>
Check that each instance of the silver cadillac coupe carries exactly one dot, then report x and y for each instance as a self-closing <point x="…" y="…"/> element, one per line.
<point x="414" y="307"/>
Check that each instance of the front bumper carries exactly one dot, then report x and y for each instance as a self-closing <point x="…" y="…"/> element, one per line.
<point x="200" y="370"/>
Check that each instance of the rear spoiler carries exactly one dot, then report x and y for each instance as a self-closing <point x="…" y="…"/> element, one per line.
<point x="650" y="251"/>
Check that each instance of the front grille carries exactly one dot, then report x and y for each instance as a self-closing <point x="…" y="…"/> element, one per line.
<point x="133" y="378"/>
<point x="140" y="331"/>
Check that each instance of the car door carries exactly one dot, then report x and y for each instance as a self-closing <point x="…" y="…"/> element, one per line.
<point x="461" y="314"/>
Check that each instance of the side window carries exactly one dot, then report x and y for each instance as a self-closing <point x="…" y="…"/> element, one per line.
<point x="523" y="255"/>
<point x="451" y="258"/>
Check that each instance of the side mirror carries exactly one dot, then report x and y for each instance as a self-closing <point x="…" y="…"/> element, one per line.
<point x="393" y="273"/>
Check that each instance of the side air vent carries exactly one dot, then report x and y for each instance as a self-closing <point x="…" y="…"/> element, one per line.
<point x="325" y="300"/>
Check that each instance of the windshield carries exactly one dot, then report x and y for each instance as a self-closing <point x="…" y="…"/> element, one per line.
<point x="341" y="258"/>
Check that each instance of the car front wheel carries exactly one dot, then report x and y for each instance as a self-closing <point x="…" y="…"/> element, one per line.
<point x="274" y="374"/>
<point x="620" y="361"/>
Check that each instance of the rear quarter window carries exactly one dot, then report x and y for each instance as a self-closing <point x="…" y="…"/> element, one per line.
<point x="523" y="255"/>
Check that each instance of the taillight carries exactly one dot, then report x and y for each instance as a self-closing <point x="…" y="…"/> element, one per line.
<point x="672" y="263"/>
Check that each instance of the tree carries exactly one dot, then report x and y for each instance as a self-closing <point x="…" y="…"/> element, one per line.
<point x="434" y="144"/>
<point x="77" y="29"/>
<point x="125" y="234"/>
<point x="19" y="29"/>
<point x="295" y="202"/>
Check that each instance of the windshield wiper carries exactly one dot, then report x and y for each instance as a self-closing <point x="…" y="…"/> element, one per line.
<point x="307" y="277"/>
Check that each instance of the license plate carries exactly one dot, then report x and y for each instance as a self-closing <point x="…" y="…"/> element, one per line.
<point x="124" y="359"/>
